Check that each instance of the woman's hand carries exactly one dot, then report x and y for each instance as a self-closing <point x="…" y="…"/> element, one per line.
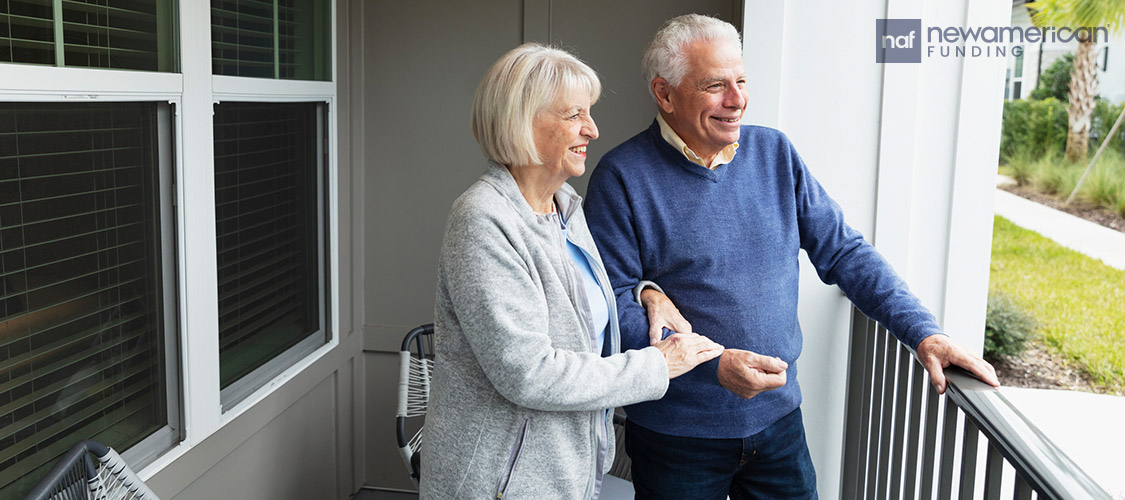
<point x="684" y="351"/>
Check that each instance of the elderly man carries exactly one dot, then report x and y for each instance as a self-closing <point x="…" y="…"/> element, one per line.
<point x="711" y="214"/>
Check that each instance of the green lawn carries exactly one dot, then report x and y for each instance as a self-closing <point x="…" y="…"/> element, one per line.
<point x="1079" y="302"/>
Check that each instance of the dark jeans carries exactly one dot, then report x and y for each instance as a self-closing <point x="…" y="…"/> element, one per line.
<point x="773" y="463"/>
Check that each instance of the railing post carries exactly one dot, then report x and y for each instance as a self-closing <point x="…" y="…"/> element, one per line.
<point x="858" y="407"/>
<point x="929" y="444"/>
<point x="969" y="460"/>
<point x="948" y="441"/>
<point x="915" y="426"/>
<point x="993" y="473"/>
<point x="898" y="465"/>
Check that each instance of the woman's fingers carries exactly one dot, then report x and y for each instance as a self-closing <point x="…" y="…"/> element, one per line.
<point x="684" y="351"/>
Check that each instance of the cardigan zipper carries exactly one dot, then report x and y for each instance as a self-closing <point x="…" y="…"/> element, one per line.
<point x="571" y="282"/>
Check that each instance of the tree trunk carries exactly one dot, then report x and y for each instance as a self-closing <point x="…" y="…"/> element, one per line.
<point x="1083" y="89"/>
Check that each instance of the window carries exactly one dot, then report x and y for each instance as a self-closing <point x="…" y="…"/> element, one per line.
<point x="156" y="248"/>
<point x="117" y="34"/>
<point x="271" y="38"/>
<point x="1013" y="87"/>
<point x="86" y="314"/>
<point x="268" y="212"/>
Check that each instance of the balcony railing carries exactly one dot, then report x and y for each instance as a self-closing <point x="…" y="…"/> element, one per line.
<point x="905" y="441"/>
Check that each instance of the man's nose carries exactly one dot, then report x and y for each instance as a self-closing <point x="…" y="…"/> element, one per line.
<point x="735" y="98"/>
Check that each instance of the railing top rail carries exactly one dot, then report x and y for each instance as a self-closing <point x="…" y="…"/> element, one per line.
<point x="1043" y="465"/>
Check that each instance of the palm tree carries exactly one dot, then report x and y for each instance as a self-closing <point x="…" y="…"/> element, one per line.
<point x="1075" y="14"/>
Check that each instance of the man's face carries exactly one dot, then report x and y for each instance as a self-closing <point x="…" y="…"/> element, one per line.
<point x="705" y="109"/>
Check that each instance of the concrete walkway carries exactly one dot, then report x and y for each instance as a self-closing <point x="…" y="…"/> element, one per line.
<point x="1078" y="234"/>
<point x="1087" y="427"/>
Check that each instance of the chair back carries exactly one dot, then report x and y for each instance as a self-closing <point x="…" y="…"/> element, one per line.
<point x="76" y="476"/>
<point x="416" y="366"/>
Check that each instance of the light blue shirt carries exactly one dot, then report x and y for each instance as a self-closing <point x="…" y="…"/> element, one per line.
<point x="599" y="310"/>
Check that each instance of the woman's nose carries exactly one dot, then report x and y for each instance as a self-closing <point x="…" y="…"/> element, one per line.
<point x="591" y="129"/>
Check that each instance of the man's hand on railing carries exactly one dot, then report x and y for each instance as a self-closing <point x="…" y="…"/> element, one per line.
<point x="939" y="351"/>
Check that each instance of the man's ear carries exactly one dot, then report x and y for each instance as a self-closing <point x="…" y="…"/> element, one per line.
<point x="662" y="90"/>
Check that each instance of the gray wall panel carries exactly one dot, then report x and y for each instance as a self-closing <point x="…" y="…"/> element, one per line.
<point x="423" y="64"/>
<point x="289" y="458"/>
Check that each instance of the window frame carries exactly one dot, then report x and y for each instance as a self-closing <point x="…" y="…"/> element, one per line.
<point x="151" y="447"/>
<point x="233" y="396"/>
<point x="191" y="94"/>
<point x="1013" y="85"/>
<point x="205" y="413"/>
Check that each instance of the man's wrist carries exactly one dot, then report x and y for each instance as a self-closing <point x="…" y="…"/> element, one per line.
<point x="642" y="286"/>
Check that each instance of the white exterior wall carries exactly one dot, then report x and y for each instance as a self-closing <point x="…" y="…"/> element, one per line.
<point x="1111" y="68"/>
<point x="908" y="150"/>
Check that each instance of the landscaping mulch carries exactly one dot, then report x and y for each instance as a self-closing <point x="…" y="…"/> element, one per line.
<point x="1085" y="210"/>
<point x="1039" y="368"/>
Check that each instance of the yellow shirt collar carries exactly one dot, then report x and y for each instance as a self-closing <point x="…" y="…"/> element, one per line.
<point x="725" y="155"/>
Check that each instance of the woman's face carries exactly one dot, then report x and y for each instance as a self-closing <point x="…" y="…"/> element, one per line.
<point x="562" y="131"/>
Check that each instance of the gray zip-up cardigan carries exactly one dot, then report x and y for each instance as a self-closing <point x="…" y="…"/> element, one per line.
<point x="518" y="392"/>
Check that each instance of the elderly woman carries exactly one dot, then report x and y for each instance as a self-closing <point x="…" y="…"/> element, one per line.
<point x="526" y="326"/>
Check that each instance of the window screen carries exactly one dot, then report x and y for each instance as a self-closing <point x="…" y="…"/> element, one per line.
<point x="118" y="34"/>
<point x="82" y="301"/>
<point x="287" y="39"/>
<point x="268" y="183"/>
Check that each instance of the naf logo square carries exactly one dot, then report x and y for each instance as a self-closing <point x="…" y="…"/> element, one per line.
<point x="898" y="40"/>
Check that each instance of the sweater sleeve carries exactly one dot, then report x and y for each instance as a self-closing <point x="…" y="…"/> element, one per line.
<point x="843" y="257"/>
<point x="503" y="316"/>
<point x="611" y="222"/>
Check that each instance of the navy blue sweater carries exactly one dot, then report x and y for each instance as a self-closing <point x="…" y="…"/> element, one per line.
<point x="723" y="244"/>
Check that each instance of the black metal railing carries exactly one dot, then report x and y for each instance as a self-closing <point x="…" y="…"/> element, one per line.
<point x="903" y="440"/>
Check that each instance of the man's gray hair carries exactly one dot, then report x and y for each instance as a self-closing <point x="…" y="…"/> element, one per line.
<point x="665" y="58"/>
<point x="519" y="85"/>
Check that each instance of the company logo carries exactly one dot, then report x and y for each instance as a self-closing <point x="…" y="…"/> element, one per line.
<point x="898" y="40"/>
<point x="903" y="40"/>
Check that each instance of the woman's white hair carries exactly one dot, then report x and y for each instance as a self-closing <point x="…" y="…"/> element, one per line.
<point x="519" y="85"/>
<point x="664" y="56"/>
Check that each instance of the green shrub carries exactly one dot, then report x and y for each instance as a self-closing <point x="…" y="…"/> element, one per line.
<point x="1055" y="80"/>
<point x="1034" y="127"/>
<point x="1055" y="176"/>
<point x="1021" y="166"/>
<point x="1105" y="114"/>
<point x="1106" y="182"/>
<point x="1007" y="329"/>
